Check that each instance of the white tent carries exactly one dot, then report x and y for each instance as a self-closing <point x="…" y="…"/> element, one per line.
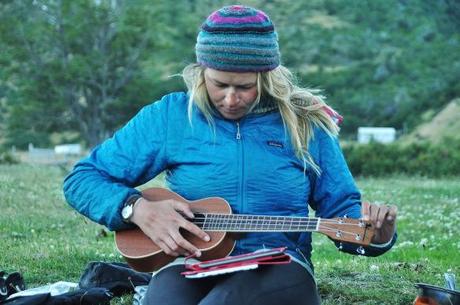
<point x="376" y="134"/>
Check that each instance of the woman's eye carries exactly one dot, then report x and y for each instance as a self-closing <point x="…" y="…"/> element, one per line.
<point x="236" y="87"/>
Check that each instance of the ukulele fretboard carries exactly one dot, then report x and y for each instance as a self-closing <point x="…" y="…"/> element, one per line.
<point x="255" y="223"/>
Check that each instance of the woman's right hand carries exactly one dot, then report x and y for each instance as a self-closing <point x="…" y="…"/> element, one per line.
<point x="161" y="221"/>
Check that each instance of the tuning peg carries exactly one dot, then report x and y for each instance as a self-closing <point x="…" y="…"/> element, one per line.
<point x="361" y="250"/>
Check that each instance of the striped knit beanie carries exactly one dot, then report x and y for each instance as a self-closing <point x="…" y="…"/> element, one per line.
<point x="238" y="39"/>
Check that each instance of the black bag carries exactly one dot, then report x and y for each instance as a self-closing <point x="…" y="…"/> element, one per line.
<point x="93" y="296"/>
<point x="119" y="278"/>
<point x="37" y="299"/>
<point x="10" y="284"/>
<point x="99" y="283"/>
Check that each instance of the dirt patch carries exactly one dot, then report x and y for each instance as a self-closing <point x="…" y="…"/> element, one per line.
<point x="445" y="124"/>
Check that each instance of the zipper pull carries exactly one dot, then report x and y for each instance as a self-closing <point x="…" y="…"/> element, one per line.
<point x="238" y="134"/>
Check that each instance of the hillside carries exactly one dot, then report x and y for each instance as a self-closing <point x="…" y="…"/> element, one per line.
<point x="380" y="63"/>
<point x="444" y="124"/>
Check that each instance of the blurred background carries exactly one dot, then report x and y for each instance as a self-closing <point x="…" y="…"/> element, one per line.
<point x="72" y="72"/>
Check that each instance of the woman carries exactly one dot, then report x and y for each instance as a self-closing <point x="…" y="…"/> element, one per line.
<point x="244" y="132"/>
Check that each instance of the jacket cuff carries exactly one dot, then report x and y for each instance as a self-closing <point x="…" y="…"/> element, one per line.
<point x="120" y="224"/>
<point x="371" y="250"/>
<point x="385" y="245"/>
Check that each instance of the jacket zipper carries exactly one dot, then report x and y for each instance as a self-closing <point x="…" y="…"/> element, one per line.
<point x="240" y="156"/>
<point x="238" y="134"/>
<point x="241" y="167"/>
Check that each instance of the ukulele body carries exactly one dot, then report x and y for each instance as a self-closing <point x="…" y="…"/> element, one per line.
<point x="142" y="254"/>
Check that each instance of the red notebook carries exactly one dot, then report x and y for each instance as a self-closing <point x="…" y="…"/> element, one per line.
<point x="242" y="262"/>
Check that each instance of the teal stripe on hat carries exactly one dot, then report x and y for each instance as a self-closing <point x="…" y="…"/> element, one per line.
<point x="232" y="58"/>
<point x="238" y="39"/>
<point x="241" y="68"/>
<point x="231" y="50"/>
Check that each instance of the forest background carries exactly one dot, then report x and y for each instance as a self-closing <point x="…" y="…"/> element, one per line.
<point x="75" y="71"/>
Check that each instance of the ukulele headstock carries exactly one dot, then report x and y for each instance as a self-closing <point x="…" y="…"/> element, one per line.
<point x="356" y="231"/>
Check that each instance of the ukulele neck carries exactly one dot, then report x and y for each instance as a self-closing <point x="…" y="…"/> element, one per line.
<point x="255" y="223"/>
<point x="344" y="229"/>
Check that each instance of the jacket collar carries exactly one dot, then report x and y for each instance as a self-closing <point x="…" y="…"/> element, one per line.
<point x="265" y="105"/>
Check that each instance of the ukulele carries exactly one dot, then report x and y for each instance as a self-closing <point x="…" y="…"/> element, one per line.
<point x="214" y="216"/>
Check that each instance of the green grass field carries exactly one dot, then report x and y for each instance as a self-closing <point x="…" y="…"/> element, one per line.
<point x="44" y="239"/>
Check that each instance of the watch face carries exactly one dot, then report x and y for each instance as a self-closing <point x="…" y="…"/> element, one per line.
<point x="127" y="212"/>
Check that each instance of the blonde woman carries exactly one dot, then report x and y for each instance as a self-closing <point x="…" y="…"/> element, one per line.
<point x="245" y="132"/>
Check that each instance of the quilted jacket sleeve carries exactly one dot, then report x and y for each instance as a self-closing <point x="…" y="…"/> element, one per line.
<point x="334" y="192"/>
<point x="99" y="184"/>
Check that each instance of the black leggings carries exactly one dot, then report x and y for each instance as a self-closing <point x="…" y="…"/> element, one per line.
<point x="274" y="284"/>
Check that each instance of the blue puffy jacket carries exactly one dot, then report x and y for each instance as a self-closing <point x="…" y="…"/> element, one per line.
<point x="250" y="163"/>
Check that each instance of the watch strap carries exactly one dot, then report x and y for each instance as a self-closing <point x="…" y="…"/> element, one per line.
<point x="130" y="202"/>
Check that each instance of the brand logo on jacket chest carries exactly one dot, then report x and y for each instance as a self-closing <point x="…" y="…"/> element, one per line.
<point x="275" y="144"/>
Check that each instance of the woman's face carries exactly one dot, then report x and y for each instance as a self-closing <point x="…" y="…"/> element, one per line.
<point x="233" y="94"/>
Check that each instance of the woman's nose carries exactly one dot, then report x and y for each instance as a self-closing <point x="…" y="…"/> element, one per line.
<point x="230" y="97"/>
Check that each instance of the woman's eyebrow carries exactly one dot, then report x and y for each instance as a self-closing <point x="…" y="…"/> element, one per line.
<point x="218" y="82"/>
<point x="248" y="84"/>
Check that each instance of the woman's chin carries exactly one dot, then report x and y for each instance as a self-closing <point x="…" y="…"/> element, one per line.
<point x="231" y="115"/>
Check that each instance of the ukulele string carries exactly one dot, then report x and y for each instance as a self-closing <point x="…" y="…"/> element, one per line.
<point x="269" y="221"/>
<point x="271" y="224"/>
<point x="216" y="216"/>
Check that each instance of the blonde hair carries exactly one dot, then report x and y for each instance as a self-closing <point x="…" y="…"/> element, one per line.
<point x="301" y="109"/>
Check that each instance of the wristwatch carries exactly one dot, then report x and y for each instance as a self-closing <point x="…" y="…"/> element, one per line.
<point x="128" y="207"/>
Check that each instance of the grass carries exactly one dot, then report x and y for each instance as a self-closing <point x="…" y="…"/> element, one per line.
<point x="47" y="241"/>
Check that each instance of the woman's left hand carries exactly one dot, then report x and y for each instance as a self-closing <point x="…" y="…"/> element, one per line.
<point x="383" y="218"/>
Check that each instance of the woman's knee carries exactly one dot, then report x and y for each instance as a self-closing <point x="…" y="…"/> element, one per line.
<point x="290" y="284"/>
<point x="170" y="287"/>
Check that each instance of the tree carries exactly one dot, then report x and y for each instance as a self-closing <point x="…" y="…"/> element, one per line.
<point x="70" y="62"/>
<point x="86" y="66"/>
